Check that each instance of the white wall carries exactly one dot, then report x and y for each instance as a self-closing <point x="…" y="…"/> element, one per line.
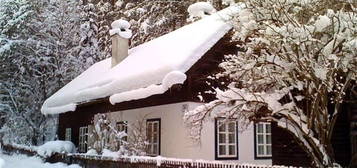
<point x="175" y="141"/>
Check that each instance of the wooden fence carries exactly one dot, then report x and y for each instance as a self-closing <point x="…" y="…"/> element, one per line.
<point x="96" y="161"/>
<point x="11" y="149"/>
<point x="93" y="161"/>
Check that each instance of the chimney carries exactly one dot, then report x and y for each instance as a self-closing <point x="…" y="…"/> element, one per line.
<point x="120" y="35"/>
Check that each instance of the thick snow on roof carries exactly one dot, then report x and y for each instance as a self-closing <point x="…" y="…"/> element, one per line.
<point x="150" y="68"/>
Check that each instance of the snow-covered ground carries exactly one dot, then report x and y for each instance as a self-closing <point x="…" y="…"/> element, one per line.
<point x="23" y="161"/>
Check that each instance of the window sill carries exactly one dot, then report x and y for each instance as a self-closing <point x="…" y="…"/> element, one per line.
<point x="262" y="157"/>
<point x="227" y="158"/>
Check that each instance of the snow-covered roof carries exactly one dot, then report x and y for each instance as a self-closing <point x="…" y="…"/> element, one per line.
<point x="151" y="68"/>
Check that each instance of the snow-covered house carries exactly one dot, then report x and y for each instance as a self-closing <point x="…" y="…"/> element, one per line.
<point x="158" y="81"/>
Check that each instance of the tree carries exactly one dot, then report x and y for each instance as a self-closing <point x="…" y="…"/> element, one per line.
<point x="105" y="13"/>
<point x="149" y="19"/>
<point x="39" y="53"/>
<point x="22" y="124"/>
<point x="295" y="59"/>
<point x="89" y="51"/>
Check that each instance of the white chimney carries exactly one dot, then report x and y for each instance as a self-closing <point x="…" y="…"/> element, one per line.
<point x="120" y="35"/>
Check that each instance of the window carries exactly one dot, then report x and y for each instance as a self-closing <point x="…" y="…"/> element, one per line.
<point x="263" y="140"/>
<point x="122" y="126"/>
<point x="83" y="137"/>
<point x="226" y="138"/>
<point x="68" y="134"/>
<point x="153" y="136"/>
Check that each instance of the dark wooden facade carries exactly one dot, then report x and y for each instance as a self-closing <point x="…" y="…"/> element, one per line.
<point x="286" y="150"/>
<point x="188" y="91"/>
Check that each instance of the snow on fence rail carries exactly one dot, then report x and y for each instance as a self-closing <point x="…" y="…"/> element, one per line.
<point x="89" y="161"/>
<point x="15" y="148"/>
<point x="157" y="162"/>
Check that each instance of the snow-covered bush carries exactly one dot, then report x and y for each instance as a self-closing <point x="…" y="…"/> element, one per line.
<point x="136" y="143"/>
<point x="108" y="153"/>
<point x="51" y="147"/>
<point x="295" y="59"/>
<point x="106" y="137"/>
<point x="101" y="134"/>
<point x="91" y="152"/>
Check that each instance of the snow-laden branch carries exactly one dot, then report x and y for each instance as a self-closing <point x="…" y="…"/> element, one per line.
<point x="295" y="59"/>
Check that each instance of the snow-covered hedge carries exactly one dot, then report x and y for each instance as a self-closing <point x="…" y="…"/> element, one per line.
<point x="52" y="147"/>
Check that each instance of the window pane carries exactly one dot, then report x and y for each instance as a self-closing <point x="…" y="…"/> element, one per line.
<point x="155" y="138"/>
<point x="260" y="128"/>
<point x="152" y="137"/>
<point x="232" y="150"/>
<point x="83" y="139"/>
<point x="268" y="139"/>
<point x="260" y="139"/>
<point x="149" y="149"/>
<point x="156" y="127"/>
<point x="231" y="138"/>
<point x="231" y="126"/>
<point x="68" y="134"/>
<point x="267" y="128"/>
<point x="155" y="149"/>
<point x="222" y="138"/>
<point x="260" y="150"/>
<point x="222" y="150"/>
<point x="268" y="150"/>
<point x="222" y="127"/>
<point x="149" y="129"/>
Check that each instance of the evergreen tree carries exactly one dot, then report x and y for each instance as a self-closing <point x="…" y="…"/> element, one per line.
<point x="89" y="46"/>
<point x="149" y="19"/>
<point x="40" y="53"/>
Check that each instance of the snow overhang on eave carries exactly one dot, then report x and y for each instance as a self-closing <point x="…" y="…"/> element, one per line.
<point x="172" y="78"/>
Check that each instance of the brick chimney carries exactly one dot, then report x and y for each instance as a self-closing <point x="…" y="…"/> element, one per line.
<point x="120" y="35"/>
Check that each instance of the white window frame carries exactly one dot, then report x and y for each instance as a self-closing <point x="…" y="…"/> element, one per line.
<point x="68" y="134"/>
<point x="150" y="125"/>
<point x="266" y="134"/>
<point x="83" y="139"/>
<point x="226" y="133"/>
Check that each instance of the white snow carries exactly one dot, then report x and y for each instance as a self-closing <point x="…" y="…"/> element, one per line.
<point x="67" y="107"/>
<point x="2" y="163"/>
<point x="51" y="147"/>
<point x="108" y="153"/>
<point x="299" y="98"/>
<point x="228" y="2"/>
<point x="117" y="24"/>
<point x="122" y="28"/>
<point x="322" y="22"/>
<point x="142" y="73"/>
<point x="321" y="72"/>
<point x="92" y="152"/>
<point x="200" y="10"/>
<point x="136" y="94"/>
<point x="23" y="161"/>
<point x="174" y="77"/>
